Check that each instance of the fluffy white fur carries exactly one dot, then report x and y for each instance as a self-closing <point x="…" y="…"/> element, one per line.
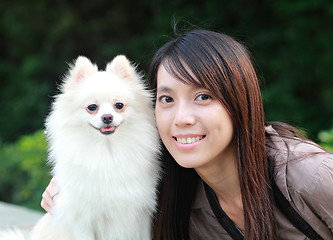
<point x="107" y="171"/>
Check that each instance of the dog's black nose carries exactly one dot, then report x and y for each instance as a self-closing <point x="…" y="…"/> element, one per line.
<point x="107" y="118"/>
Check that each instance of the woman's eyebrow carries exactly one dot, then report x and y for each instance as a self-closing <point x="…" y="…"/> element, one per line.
<point x="164" y="89"/>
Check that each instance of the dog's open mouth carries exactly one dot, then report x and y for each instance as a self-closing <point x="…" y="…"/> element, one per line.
<point x="107" y="130"/>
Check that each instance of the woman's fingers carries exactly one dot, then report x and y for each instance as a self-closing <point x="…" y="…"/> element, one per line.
<point x="50" y="194"/>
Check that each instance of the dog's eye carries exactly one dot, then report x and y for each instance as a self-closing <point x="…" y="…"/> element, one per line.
<point x="119" y="105"/>
<point x="92" y="107"/>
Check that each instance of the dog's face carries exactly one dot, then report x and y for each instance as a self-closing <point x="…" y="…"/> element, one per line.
<point x="105" y="117"/>
<point x="101" y="100"/>
<point x="104" y="102"/>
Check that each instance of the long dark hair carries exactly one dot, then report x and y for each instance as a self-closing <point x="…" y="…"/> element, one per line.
<point x="222" y="65"/>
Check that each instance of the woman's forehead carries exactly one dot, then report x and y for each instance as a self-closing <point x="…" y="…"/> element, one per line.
<point x="181" y="71"/>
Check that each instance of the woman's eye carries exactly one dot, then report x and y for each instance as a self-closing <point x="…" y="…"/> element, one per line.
<point x="119" y="105"/>
<point x="92" y="107"/>
<point x="204" y="97"/>
<point x="166" y="99"/>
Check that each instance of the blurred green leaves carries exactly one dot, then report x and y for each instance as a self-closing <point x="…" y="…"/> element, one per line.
<point x="23" y="171"/>
<point x="326" y="139"/>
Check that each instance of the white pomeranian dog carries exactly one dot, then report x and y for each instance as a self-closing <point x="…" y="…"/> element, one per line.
<point x="104" y="149"/>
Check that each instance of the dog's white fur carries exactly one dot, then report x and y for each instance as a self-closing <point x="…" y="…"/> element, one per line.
<point x="107" y="180"/>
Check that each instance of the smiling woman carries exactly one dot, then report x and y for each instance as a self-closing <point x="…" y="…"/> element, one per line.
<point x="181" y="115"/>
<point x="210" y="118"/>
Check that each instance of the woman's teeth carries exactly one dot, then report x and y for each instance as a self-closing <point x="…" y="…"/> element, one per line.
<point x="188" y="140"/>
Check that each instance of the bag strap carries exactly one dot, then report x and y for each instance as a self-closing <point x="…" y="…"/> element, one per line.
<point x="221" y="216"/>
<point x="285" y="207"/>
<point x="281" y="202"/>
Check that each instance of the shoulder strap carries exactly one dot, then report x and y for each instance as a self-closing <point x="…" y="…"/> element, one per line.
<point x="285" y="207"/>
<point x="281" y="202"/>
<point x="221" y="216"/>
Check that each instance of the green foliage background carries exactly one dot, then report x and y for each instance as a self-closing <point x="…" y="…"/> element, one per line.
<point x="326" y="139"/>
<point x="291" y="42"/>
<point x="23" y="172"/>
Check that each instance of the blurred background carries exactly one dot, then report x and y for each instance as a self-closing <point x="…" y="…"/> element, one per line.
<point x="291" y="42"/>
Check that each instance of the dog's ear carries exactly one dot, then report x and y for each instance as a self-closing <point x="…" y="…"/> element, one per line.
<point x="81" y="68"/>
<point x="122" y="67"/>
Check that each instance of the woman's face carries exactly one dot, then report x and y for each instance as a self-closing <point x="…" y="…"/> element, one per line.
<point x="193" y="125"/>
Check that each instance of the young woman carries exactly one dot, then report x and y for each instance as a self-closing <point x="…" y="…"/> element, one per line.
<point x="216" y="143"/>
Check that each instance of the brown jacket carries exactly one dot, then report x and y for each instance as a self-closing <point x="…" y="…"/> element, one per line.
<point x="306" y="180"/>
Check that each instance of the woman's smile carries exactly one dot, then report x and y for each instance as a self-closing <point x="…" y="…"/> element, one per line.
<point x="188" y="140"/>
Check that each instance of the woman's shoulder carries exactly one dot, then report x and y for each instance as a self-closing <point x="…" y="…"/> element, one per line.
<point x="304" y="174"/>
<point x="300" y="165"/>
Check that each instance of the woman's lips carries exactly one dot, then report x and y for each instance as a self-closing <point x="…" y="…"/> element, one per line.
<point x="188" y="142"/>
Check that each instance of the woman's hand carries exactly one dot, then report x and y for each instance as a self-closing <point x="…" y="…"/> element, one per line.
<point x="50" y="194"/>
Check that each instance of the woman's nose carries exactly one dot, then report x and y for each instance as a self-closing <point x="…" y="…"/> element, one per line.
<point x="184" y="115"/>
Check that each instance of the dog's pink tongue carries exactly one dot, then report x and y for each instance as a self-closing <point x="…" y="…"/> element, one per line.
<point x="108" y="128"/>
